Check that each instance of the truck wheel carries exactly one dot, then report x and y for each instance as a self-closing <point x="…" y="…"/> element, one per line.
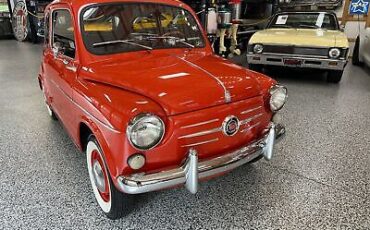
<point x="111" y="201"/>
<point x="20" y="22"/>
<point x="255" y="67"/>
<point x="356" y="53"/>
<point x="334" y="76"/>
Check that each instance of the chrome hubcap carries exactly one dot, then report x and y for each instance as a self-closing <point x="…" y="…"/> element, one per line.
<point x="98" y="176"/>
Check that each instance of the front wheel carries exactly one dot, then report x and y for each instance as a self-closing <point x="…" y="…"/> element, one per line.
<point x="335" y="76"/>
<point x="111" y="201"/>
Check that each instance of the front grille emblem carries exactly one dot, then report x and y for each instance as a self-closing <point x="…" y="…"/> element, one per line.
<point x="230" y="126"/>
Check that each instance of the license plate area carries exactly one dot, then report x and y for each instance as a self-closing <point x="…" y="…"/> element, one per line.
<point x="292" y="62"/>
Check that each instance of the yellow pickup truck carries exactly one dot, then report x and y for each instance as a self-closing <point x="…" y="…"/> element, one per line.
<point x="301" y="40"/>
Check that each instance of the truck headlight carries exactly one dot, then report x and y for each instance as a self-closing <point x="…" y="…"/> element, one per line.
<point x="278" y="97"/>
<point x="258" y="48"/>
<point x="145" y="131"/>
<point x="334" y="53"/>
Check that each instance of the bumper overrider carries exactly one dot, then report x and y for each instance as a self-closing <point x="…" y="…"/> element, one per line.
<point x="194" y="170"/>
<point x="302" y="61"/>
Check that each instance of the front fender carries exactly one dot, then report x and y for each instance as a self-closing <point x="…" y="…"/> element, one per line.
<point x="106" y="110"/>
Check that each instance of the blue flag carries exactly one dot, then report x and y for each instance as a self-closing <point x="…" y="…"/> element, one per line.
<point x="359" y="7"/>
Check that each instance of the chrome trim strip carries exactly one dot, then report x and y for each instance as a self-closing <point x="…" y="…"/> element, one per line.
<point x="227" y="94"/>
<point x="193" y="170"/>
<point x="200" y="143"/>
<point x="324" y="63"/>
<point x="251" y="110"/>
<point x="297" y="55"/>
<point x="108" y="126"/>
<point x="250" y="127"/>
<point x="202" y="133"/>
<point x="243" y="122"/>
<point x="199" y="124"/>
<point x="310" y="47"/>
<point x="219" y="129"/>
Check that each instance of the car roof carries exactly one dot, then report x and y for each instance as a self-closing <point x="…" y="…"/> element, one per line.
<point x="77" y="4"/>
<point x="305" y="12"/>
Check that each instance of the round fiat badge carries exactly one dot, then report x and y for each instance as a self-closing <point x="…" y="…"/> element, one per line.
<point x="230" y="126"/>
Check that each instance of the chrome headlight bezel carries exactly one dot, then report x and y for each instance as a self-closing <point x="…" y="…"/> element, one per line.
<point x="258" y="48"/>
<point x="335" y="56"/>
<point x="144" y="118"/>
<point x="275" y="91"/>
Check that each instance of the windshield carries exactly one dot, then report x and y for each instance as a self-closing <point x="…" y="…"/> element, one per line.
<point x="305" y="21"/>
<point x="4" y="6"/>
<point x="126" y="27"/>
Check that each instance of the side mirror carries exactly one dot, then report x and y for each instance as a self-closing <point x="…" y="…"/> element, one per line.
<point x="342" y="27"/>
<point x="57" y="49"/>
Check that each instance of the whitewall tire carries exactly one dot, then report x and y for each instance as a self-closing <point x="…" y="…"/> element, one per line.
<point x="98" y="176"/>
<point x="111" y="201"/>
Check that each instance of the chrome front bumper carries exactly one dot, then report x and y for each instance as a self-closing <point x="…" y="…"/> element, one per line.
<point x="193" y="170"/>
<point x="306" y="61"/>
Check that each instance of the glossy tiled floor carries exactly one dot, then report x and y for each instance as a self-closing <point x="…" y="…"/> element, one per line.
<point x="319" y="179"/>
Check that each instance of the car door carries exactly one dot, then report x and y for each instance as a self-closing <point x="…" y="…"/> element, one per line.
<point x="366" y="47"/>
<point x="62" y="64"/>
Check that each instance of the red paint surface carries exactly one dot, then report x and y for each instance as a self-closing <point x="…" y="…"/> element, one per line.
<point x="107" y="91"/>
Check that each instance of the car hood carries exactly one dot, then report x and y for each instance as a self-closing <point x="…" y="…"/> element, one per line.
<point x="179" y="83"/>
<point x="301" y="37"/>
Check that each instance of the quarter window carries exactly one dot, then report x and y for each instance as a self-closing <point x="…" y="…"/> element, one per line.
<point x="63" y="32"/>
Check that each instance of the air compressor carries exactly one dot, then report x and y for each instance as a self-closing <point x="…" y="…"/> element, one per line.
<point x="222" y="19"/>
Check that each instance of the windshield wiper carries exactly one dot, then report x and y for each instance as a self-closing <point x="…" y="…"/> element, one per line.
<point x="176" y="39"/>
<point x="309" y="26"/>
<point x="281" y="26"/>
<point x="129" y="42"/>
<point x="143" y="34"/>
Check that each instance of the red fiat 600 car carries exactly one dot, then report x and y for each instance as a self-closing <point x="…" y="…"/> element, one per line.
<point x="139" y="89"/>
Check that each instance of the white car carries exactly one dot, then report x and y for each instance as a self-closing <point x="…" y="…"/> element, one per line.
<point x="361" y="52"/>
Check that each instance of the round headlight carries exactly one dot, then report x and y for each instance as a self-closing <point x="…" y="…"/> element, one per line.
<point x="258" y="48"/>
<point x="334" y="53"/>
<point x="145" y="131"/>
<point x="278" y="97"/>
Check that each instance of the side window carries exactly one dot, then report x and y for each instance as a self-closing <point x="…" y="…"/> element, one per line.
<point x="63" y="32"/>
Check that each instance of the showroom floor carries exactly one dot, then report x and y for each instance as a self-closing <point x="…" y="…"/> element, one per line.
<point x="319" y="178"/>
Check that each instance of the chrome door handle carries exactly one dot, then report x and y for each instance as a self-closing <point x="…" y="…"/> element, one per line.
<point x="65" y="62"/>
<point x="71" y="68"/>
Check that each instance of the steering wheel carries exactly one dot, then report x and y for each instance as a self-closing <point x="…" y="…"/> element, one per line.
<point x="174" y="33"/>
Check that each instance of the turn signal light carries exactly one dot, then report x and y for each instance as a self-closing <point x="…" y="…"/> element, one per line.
<point x="136" y="161"/>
